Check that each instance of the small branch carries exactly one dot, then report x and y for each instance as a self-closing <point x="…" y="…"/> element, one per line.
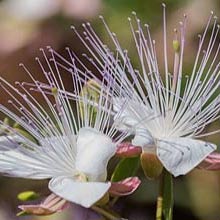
<point x="114" y="200"/>
<point x="159" y="211"/>
<point x="104" y="213"/>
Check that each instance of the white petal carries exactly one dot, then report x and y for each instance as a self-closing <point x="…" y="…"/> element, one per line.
<point x="8" y="142"/>
<point x="132" y="117"/>
<point x="132" y="110"/>
<point x="94" y="150"/>
<point x="20" y="158"/>
<point x="181" y="155"/>
<point x="144" y="139"/>
<point x="15" y="163"/>
<point x="82" y="193"/>
<point x="63" y="149"/>
<point x="125" y="116"/>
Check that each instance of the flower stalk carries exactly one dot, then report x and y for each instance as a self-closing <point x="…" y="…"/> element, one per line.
<point x="104" y="213"/>
<point x="159" y="208"/>
<point x="164" y="208"/>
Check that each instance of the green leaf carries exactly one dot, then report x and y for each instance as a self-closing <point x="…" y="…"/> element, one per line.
<point x="126" y="167"/>
<point x="28" y="196"/>
<point x="167" y="196"/>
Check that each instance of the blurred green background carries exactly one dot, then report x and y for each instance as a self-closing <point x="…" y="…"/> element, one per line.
<point x="27" y="25"/>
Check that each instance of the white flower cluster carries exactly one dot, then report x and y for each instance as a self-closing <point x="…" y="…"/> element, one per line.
<point x="74" y="134"/>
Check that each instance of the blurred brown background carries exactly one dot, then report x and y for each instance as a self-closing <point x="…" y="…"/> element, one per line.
<point x="27" y="25"/>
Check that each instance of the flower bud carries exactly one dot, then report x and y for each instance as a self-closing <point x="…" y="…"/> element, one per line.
<point x="24" y="133"/>
<point x="54" y="91"/>
<point x="176" y="46"/>
<point x="3" y="127"/>
<point x="6" y="121"/>
<point x="126" y="149"/>
<point x="27" y="196"/>
<point x="124" y="187"/>
<point x="151" y="165"/>
<point x="211" y="162"/>
<point x="50" y="205"/>
<point x="90" y="91"/>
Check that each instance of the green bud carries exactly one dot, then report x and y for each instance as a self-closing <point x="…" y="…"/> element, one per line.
<point x="54" y="91"/>
<point x="91" y="89"/>
<point x="6" y="121"/>
<point x="25" y="133"/>
<point x="22" y="213"/>
<point x="28" y="196"/>
<point x="81" y="177"/>
<point x="151" y="165"/>
<point x="16" y="125"/>
<point x="91" y="92"/>
<point x="176" y="46"/>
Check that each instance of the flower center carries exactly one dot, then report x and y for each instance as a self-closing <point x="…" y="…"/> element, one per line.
<point x="81" y="177"/>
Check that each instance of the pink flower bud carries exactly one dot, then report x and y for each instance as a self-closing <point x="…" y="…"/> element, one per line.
<point x="124" y="187"/>
<point x="126" y="149"/>
<point x="50" y="205"/>
<point x="211" y="162"/>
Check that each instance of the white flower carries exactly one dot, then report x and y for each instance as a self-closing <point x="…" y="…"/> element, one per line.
<point x="166" y="118"/>
<point x="69" y="145"/>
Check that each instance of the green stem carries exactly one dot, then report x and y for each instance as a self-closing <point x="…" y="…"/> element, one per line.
<point x="104" y="213"/>
<point x="159" y="210"/>
<point x="165" y="197"/>
<point x="114" y="200"/>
